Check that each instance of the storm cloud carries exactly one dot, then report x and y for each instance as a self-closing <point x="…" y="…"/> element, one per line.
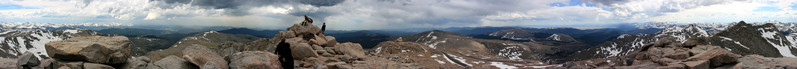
<point x="239" y="7"/>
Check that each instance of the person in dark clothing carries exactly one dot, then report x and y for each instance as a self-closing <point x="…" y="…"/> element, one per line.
<point x="323" y="27"/>
<point x="285" y="57"/>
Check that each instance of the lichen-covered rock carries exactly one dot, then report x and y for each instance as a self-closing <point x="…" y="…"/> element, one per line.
<point x="253" y="60"/>
<point x="96" y="49"/>
<point x="199" y="55"/>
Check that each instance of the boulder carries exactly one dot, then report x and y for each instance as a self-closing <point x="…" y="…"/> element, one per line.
<point x="318" y="40"/>
<point x="96" y="66"/>
<point x="6" y="63"/>
<point x="331" y="42"/>
<point x="95" y="49"/>
<point x="199" y="55"/>
<point x="672" y="66"/>
<point x="64" y="67"/>
<point x="254" y="60"/>
<point x="349" y="48"/>
<point x="171" y="62"/>
<point x="70" y="65"/>
<point x="284" y="35"/>
<point x="27" y="61"/>
<point x="136" y="63"/>
<point x="761" y="62"/>
<point x="211" y="65"/>
<point x="309" y="29"/>
<point x="676" y="53"/>
<point x="716" y="56"/>
<point x="302" y="50"/>
<point x="701" y="48"/>
<point x="47" y="64"/>
<point x="699" y="64"/>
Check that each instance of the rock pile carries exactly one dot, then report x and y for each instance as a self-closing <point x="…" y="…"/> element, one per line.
<point x="84" y="52"/>
<point x="665" y="54"/>
<point x="312" y="49"/>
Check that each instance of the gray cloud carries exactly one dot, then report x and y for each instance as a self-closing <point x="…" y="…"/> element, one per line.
<point x="240" y="7"/>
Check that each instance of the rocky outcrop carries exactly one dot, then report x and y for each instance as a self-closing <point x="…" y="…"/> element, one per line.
<point x="667" y="54"/>
<point x="200" y="55"/>
<point x="253" y="60"/>
<point x="96" y="49"/>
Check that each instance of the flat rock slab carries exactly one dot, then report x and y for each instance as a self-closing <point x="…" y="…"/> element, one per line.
<point x="200" y="55"/>
<point x="95" y="49"/>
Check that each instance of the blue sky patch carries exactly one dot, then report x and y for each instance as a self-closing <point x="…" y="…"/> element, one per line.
<point x="767" y="9"/>
<point x="12" y="6"/>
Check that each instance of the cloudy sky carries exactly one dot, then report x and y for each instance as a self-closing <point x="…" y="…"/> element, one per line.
<point x="394" y="14"/>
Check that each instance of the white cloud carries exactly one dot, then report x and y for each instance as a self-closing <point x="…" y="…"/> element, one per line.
<point x="552" y="16"/>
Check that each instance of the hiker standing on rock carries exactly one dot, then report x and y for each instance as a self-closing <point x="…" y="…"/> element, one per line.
<point x="323" y="28"/>
<point x="285" y="57"/>
<point x="307" y="20"/>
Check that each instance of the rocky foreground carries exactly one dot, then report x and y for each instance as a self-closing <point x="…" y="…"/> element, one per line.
<point x="310" y="49"/>
<point x="670" y="54"/>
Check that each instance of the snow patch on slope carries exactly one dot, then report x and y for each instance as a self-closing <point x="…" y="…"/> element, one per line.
<point x="737" y="42"/>
<point x="501" y="65"/>
<point x="782" y="48"/>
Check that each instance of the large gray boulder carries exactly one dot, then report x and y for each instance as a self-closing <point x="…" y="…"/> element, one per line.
<point x="200" y="55"/>
<point x="253" y="60"/>
<point x="95" y="49"/>
<point x="27" y="61"/>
